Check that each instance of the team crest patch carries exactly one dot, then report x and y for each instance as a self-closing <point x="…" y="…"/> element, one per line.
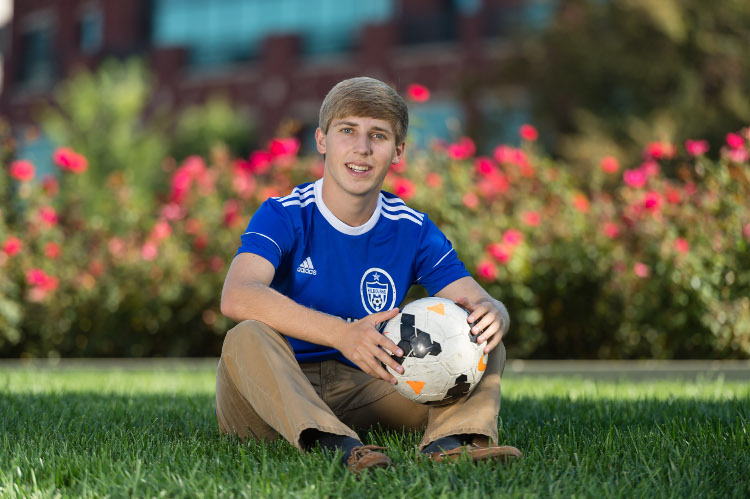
<point x="377" y="291"/>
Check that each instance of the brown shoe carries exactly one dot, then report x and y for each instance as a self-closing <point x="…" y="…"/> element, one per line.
<point x="366" y="457"/>
<point x="476" y="453"/>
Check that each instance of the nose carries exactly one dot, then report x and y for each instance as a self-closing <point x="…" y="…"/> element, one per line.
<point x="362" y="145"/>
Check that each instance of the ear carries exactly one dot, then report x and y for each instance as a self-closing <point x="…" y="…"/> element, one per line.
<point x="398" y="155"/>
<point x="320" y="140"/>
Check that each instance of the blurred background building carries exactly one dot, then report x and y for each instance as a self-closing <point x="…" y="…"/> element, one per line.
<point x="275" y="60"/>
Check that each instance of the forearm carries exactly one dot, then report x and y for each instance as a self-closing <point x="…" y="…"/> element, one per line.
<point x="468" y="288"/>
<point x="256" y="301"/>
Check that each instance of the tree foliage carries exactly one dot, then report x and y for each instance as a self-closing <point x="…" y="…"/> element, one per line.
<point x="607" y="76"/>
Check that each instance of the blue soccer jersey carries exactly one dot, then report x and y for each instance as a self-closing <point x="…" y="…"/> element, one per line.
<point x="349" y="272"/>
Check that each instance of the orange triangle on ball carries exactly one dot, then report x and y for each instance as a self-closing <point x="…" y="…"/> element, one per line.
<point x="482" y="364"/>
<point x="416" y="386"/>
<point x="438" y="309"/>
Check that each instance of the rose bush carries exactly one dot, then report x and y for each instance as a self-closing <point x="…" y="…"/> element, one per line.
<point x="629" y="263"/>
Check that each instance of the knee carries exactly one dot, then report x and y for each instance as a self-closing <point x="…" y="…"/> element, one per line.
<point x="244" y="333"/>
<point x="252" y="336"/>
<point x="497" y="358"/>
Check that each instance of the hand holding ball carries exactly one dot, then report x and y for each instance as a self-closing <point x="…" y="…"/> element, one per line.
<point x="442" y="360"/>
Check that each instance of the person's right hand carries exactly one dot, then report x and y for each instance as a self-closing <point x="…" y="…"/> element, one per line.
<point x="361" y="343"/>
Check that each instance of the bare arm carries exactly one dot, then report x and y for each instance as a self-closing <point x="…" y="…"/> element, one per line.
<point x="491" y="315"/>
<point x="247" y="296"/>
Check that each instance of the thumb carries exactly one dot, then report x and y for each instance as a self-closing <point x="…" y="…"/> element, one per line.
<point x="383" y="316"/>
<point x="464" y="303"/>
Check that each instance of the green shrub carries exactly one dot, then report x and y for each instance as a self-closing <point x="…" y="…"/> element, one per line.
<point x="612" y="262"/>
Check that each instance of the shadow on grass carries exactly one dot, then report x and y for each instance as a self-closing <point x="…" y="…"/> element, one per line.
<point x="112" y="444"/>
<point x="171" y="418"/>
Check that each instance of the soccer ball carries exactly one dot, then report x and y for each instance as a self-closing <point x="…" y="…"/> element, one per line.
<point x="442" y="360"/>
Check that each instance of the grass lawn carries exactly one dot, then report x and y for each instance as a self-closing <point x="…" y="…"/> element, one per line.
<point x="153" y="432"/>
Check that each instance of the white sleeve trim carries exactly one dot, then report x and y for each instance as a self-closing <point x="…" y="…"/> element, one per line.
<point x="438" y="263"/>
<point x="297" y="202"/>
<point x="397" y="204"/>
<point x="263" y="235"/>
<point x="400" y="216"/>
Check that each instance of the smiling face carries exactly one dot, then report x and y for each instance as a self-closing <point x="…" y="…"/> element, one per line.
<point x="358" y="153"/>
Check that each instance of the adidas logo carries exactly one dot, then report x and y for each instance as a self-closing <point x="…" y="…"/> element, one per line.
<point x="306" y="267"/>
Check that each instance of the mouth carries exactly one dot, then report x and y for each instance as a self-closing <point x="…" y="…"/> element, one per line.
<point x="358" y="168"/>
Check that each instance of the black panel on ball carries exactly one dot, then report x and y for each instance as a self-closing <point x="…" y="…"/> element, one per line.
<point x="407" y="327"/>
<point x="458" y="390"/>
<point x="473" y="337"/>
<point x="406" y="347"/>
<point x="423" y="345"/>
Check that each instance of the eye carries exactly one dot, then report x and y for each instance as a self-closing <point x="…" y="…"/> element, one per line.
<point x="346" y="130"/>
<point x="380" y="136"/>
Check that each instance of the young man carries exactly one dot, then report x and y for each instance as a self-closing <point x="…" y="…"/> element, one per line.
<point x="304" y="363"/>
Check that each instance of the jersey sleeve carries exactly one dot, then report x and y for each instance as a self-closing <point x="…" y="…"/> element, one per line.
<point x="269" y="233"/>
<point x="437" y="262"/>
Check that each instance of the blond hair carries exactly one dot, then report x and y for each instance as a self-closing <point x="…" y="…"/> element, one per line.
<point x="365" y="97"/>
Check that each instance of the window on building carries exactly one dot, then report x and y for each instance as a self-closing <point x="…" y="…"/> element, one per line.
<point x="90" y="29"/>
<point x="502" y="116"/>
<point x="501" y="17"/>
<point x="438" y="23"/>
<point x="36" y="147"/>
<point x="435" y="120"/>
<point x="36" y="63"/>
<point x="468" y="7"/>
<point x="218" y="32"/>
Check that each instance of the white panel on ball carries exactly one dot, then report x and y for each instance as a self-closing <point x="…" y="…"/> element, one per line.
<point x="438" y="351"/>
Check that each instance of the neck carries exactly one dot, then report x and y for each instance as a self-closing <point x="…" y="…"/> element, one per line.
<point x="350" y="209"/>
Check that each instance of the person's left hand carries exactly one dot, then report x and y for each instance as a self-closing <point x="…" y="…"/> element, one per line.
<point x="489" y="318"/>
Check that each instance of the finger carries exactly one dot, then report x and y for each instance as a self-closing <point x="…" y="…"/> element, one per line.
<point x="493" y="342"/>
<point x="368" y="363"/>
<point x="477" y="313"/>
<point x="382" y="316"/>
<point x="376" y="370"/>
<point x="483" y="323"/>
<point x="386" y="359"/>
<point x="383" y="351"/>
<point x="389" y="345"/>
<point x="381" y="342"/>
<point x="489" y="332"/>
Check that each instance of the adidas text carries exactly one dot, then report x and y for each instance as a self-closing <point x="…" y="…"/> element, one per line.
<point x="306" y="267"/>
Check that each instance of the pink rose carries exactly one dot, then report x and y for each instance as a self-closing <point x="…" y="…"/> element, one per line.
<point x="681" y="245"/>
<point x="531" y="218"/>
<point x="417" y="92"/>
<point x="22" y="170"/>
<point x="641" y="270"/>
<point x="487" y="270"/>
<point x="611" y="230"/>
<point x="528" y="133"/>
<point x="609" y="164"/>
<point x="500" y="252"/>
<point x="12" y="246"/>
<point x="735" y="140"/>
<point x="470" y="200"/>
<point x="69" y="160"/>
<point x="696" y="147"/>
<point x="635" y="178"/>
<point x="512" y="237"/>
<point x="404" y="188"/>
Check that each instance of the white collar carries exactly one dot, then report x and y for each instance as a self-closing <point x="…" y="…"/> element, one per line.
<point x="338" y="224"/>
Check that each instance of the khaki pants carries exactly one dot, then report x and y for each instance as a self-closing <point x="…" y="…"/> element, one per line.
<point x="263" y="393"/>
